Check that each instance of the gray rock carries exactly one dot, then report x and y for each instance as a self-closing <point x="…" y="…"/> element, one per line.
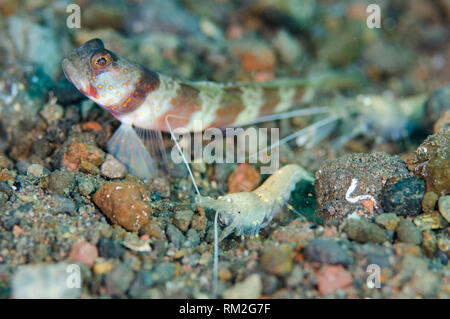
<point x="49" y="281"/>
<point x="407" y="232"/>
<point x="119" y="279"/>
<point x="326" y="251"/>
<point x="61" y="182"/>
<point x="61" y="204"/>
<point x="112" y="168"/>
<point x="363" y="231"/>
<point x="250" y="288"/>
<point x="35" y="170"/>
<point x="163" y="272"/>
<point x="404" y="197"/>
<point x="175" y="235"/>
<point x="444" y="207"/>
<point x="182" y="219"/>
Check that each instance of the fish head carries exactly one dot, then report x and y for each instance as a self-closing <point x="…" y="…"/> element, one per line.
<point x="110" y="80"/>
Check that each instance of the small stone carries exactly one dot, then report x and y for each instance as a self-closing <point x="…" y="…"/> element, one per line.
<point x="363" y="231"/>
<point x="163" y="272"/>
<point x="250" y="288"/>
<point x="430" y="221"/>
<point x="244" y="178"/>
<point x="47" y="281"/>
<point x="52" y="112"/>
<point x="277" y="259"/>
<point x="199" y="222"/>
<point x="112" y="168"/>
<point x="193" y="237"/>
<point x="182" y="219"/>
<point x="175" y="235"/>
<point x="407" y="232"/>
<point x="85" y="186"/>
<point x="35" y="170"/>
<point x="152" y="229"/>
<point x="84" y="157"/>
<point x="333" y="278"/>
<point x="92" y="126"/>
<point x="109" y="248"/>
<point x="404" y="197"/>
<point x="61" y="204"/>
<point x="61" y="182"/>
<point x="143" y="281"/>
<point x="429" y="202"/>
<point x="326" y="251"/>
<point x="83" y="252"/>
<point x="388" y="220"/>
<point x="123" y="203"/>
<point x="103" y="268"/>
<point x="119" y="279"/>
<point x="160" y="185"/>
<point x="429" y="243"/>
<point x="444" y="207"/>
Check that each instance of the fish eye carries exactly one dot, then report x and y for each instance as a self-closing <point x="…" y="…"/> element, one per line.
<point x="101" y="59"/>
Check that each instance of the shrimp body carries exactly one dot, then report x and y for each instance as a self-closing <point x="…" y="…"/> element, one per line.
<point x="246" y="212"/>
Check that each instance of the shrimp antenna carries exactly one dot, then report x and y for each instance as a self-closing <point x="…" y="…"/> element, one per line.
<point x="216" y="241"/>
<point x="181" y="152"/>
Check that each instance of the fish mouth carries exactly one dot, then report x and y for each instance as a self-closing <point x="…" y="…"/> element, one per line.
<point x="73" y="74"/>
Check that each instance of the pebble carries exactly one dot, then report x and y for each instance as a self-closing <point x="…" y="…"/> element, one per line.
<point x="109" y="248"/>
<point x="119" y="279"/>
<point x="84" y="252"/>
<point x="83" y="157"/>
<point x="332" y="278"/>
<point x="61" y="204"/>
<point x="429" y="243"/>
<point x="85" y="186"/>
<point x="244" y="178"/>
<point x="52" y="112"/>
<point x="182" y="219"/>
<point x="61" y="182"/>
<point x="429" y="202"/>
<point x="444" y="207"/>
<point x="160" y="185"/>
<point x="192" y="237"/>
<point x="363" y="231"/>
<point x="46" y="281"/>
<point x="143" y="281"/>
<point x="123" y="203"/>
<point x="430" y="221"/>
<point x="404" y="197"/>
<point x="334" y="178"/>
<point x="152" y="229"/>
<point x="175" y="235"/>
<point x="277" y="259"/>
<point x="433" y="161"/>
<point x="35" y="170"/>
<point x="388" y="220"/>
<point x="199" y="222"/>
<point x="163" y="272"/>
<point x="249" y="288"/>
<point x="326" y="251"/>
<point x="407" y="232"/>
<point x="112" y="168"/>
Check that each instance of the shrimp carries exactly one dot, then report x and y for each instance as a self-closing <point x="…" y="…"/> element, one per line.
<point x="246" y="212"/>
